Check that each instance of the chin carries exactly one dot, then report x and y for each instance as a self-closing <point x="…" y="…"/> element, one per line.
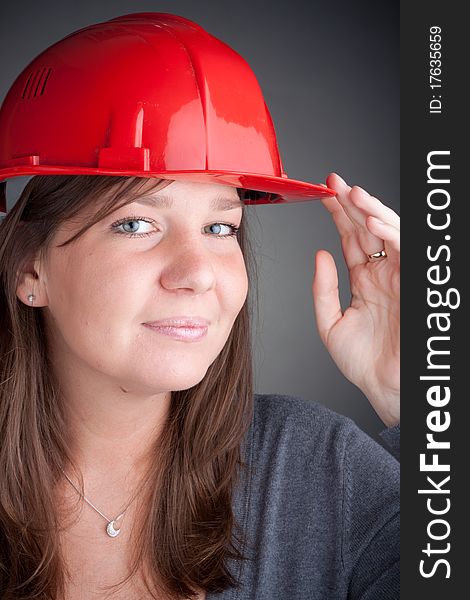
<point x="170" y="381"/>
<point x="157" y="372"/>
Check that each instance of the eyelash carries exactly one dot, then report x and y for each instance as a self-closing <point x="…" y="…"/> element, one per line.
<point x="115" y="226"/>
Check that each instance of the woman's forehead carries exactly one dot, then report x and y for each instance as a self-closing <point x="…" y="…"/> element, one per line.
<point x="182" y="187"/>
<point x="205" y="195"/>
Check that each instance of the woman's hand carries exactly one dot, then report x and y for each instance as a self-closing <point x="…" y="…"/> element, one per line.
<point x="364" y="341"/>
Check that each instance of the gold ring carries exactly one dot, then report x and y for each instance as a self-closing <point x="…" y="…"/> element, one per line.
<point x="377" y="256"/>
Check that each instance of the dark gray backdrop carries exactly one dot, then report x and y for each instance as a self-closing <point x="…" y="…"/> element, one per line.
<point x="329" y="72"/>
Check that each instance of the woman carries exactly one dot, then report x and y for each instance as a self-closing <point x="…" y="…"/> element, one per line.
<point x="137" y="460"/>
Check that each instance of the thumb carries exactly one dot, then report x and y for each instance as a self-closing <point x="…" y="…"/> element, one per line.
<point x="326" y="294"/>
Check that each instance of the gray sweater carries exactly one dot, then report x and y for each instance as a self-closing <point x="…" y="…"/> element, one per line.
<point x="320" y="507"/>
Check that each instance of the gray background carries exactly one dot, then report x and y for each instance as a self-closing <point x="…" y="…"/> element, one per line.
<point x="329" y="72"/>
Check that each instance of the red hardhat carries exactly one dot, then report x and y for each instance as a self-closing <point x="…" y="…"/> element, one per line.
<point x="145" y="95"/>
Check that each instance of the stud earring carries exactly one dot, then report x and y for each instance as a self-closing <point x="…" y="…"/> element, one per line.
<point x="31" y="298"/>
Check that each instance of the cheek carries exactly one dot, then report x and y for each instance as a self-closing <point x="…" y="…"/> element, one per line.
<point x="233" y="285"/>
<point x="92" y="299"/>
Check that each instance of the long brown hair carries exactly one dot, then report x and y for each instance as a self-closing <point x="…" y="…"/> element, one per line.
<point x="189" y="530"/>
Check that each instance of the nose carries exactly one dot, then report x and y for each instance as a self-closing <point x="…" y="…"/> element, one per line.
<point x="190" y="266"/>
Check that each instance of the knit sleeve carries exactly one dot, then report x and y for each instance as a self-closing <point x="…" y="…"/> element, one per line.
<point x="371" y="519"/>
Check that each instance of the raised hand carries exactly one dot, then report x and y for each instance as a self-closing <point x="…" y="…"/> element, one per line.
<point x="364" y="340"/>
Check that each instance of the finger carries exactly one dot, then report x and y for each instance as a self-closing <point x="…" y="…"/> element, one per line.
<point x="369" y="242"/>
<point x="352" y="251"/>
<point x="326" y="294"/>
<point x="341" y="219"/>
<point x="344" y="190"/>
<point x="389" y="233"/>
<point x="370" y="205"/>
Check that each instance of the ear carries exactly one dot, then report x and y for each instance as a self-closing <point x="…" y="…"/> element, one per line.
<point x="30" y="282"/>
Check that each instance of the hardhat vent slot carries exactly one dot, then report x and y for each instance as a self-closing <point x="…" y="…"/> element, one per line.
<point x="36" y="83"/>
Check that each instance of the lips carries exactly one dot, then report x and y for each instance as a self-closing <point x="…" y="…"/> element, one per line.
<point x="182" y="329"/>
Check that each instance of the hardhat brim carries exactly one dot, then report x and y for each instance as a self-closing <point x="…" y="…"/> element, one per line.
<point x="280" y="189"/>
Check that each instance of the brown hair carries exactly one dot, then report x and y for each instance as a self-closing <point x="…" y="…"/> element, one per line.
<point x="189" y="530"/>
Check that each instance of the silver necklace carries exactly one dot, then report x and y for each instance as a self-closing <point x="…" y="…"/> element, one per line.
<point x="110" y="527"/>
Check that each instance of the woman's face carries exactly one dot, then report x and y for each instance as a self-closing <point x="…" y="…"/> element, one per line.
<point x="161" y="261"/>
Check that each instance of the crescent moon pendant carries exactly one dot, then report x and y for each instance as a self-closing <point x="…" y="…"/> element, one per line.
<point x="110" y="528"/>
<point x="111" y="531"/>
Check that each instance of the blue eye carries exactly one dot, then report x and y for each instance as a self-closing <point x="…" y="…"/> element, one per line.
<point x="233" y="228"/>
<point x="134" y="223"/>
<point x="133" y="230"/>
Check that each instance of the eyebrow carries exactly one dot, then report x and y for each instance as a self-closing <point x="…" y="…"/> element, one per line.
<point x="162" y="201"/>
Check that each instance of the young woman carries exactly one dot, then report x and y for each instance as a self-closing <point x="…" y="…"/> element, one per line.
<point x="136" y="459"/>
